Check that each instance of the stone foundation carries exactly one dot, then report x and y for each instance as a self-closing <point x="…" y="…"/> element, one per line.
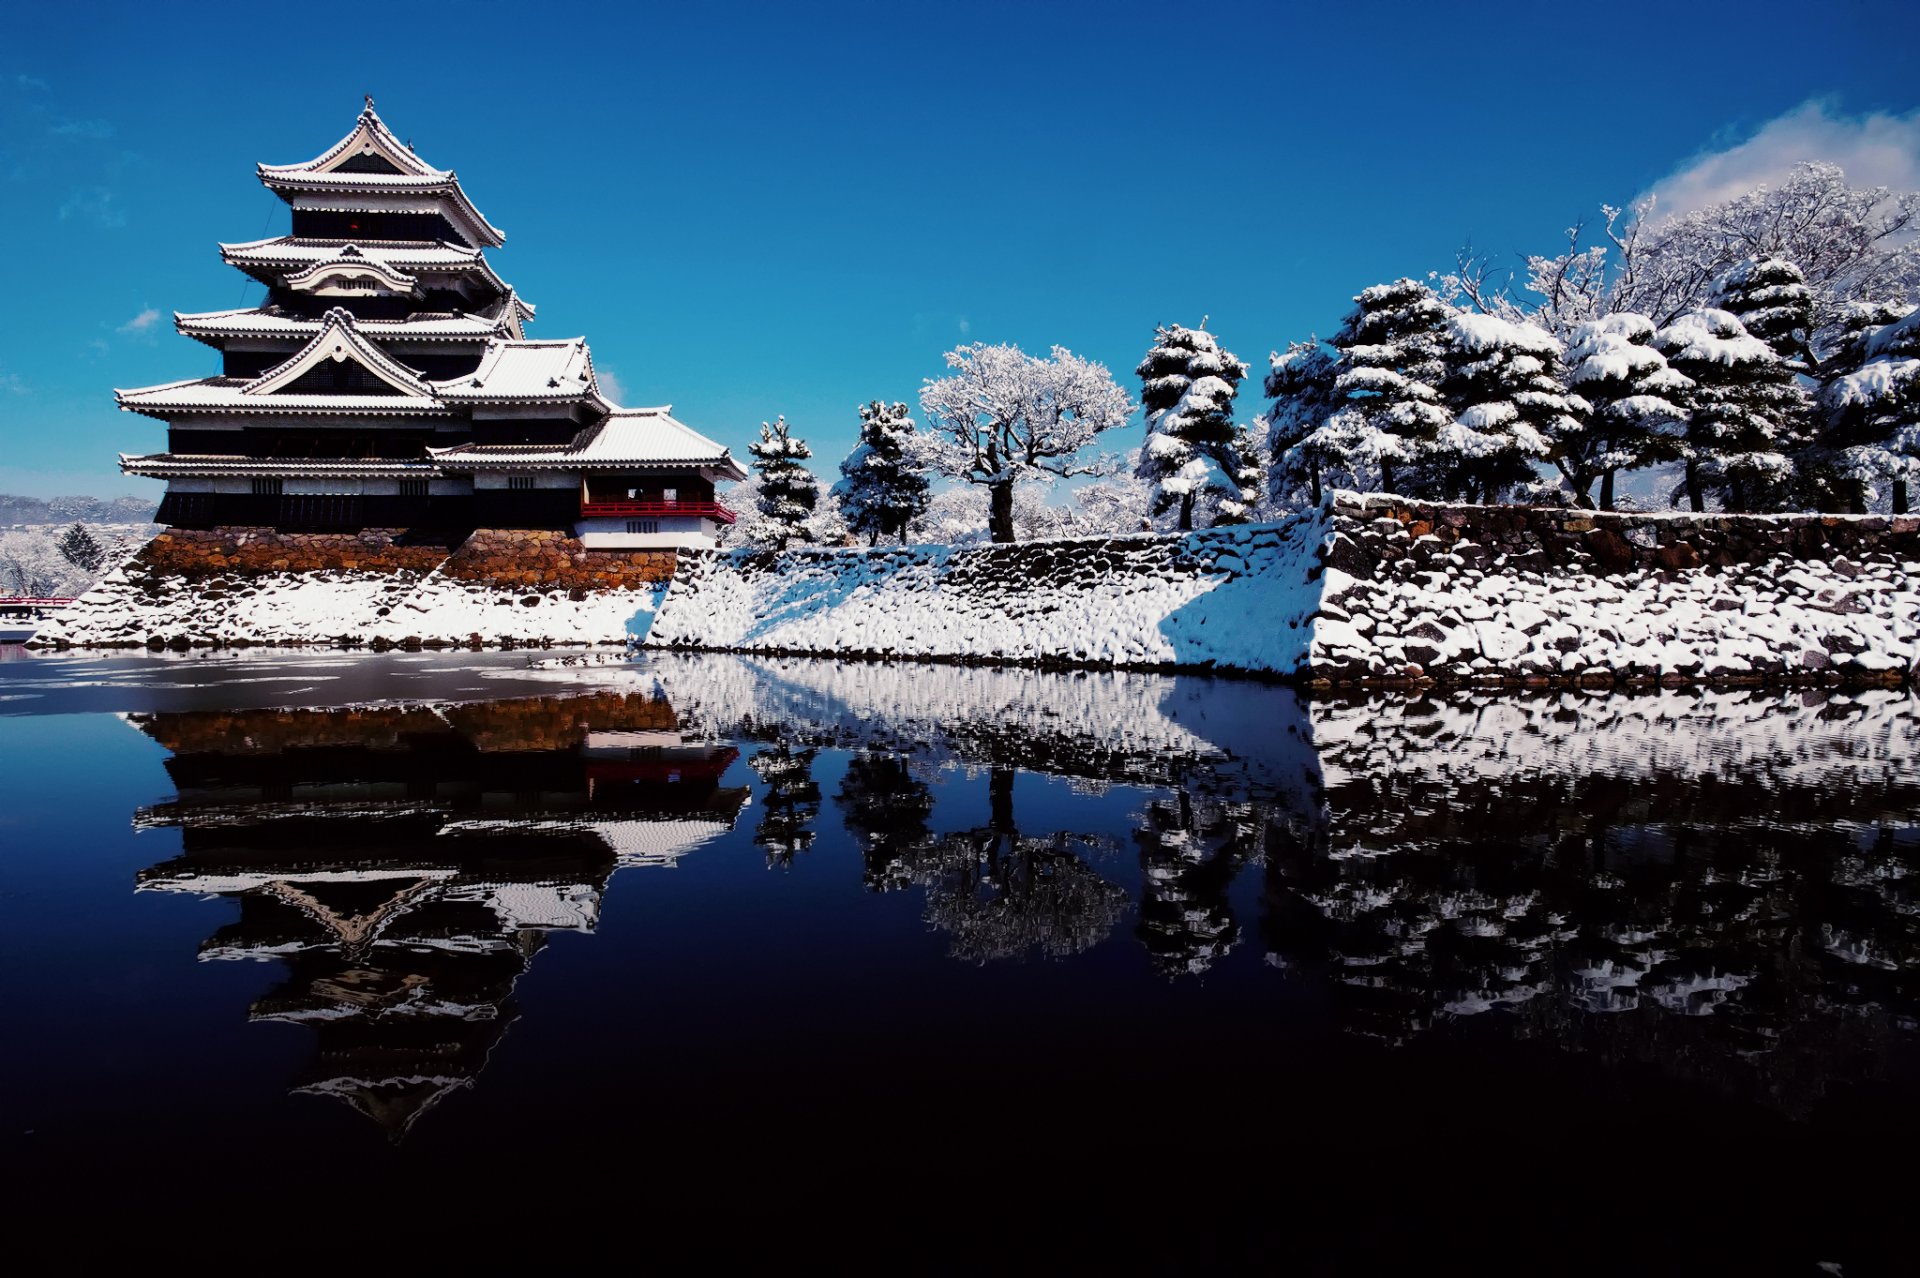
<point x="531" y="557"/>
<point x="200" y="554"/>
<point x="381" y="587"/>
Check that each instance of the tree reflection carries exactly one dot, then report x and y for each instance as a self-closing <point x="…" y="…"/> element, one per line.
<point x="886" y="809"/>
<point x="1190" y="853"/>
<point x="998" y="895"/>
<point x="791" y="803"/>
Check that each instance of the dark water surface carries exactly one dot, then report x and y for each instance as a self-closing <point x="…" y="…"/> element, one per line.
<point x="445" y="957"/>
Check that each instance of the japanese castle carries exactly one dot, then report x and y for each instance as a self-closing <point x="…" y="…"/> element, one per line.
<point x="387" y="381"/>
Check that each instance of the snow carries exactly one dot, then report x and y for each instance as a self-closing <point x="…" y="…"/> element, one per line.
<point x="356" y="606"/>
<point x="1240" y="597"/>
<point x="1255" y="598"/>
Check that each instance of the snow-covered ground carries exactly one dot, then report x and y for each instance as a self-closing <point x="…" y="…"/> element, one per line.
<point x="331" y="607"/>
<point x="1232" y="597"/>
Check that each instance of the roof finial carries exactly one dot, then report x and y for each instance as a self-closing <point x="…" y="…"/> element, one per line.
<point x="1203" y="318"/>
<point x="369" y="98"/>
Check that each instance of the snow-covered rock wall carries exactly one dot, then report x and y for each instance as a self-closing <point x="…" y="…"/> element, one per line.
<point x="1503" y="595"/>
<point x="1364" y="592"/>
<point x="241" y="585"/>
<point x="1241" y="598"/>
<point x="1369" y="591"/>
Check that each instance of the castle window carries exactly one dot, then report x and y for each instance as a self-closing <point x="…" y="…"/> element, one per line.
<point x="643" y="525"/>
<point x="520" y="483"/>
<point x="268" y="486"/>
<point x="413" y="488"/>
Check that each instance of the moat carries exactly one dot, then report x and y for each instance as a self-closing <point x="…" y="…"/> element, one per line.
<point x="724" y="953"/>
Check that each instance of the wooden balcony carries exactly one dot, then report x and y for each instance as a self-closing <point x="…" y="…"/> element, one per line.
<point x="681" y="509"/>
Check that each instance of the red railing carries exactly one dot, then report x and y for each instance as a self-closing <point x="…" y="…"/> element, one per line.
<point x="691" y="509"/>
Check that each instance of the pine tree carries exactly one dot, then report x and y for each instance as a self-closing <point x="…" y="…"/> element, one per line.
<point x="1245" y="472"/>
<point x="881" y="490"/>
<point x="1770" y="298"/>
<point x="788" y="490"/>
<point x="1628" y="405"/>
<point x="1390" y="413"/>
<point x="1188" y="385"/>
<point x="81" y="549"/>
<point x="1501" y="385"/>
<point x="1300" y="384"/>
<point x="1744" y="415"/>
<point x="1870" y="406"/>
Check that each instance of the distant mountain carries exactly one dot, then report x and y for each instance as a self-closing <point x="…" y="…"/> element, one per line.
<point x="67" y="510"/>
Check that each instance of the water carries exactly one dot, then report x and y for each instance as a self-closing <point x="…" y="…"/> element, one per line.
<point x="925" y="966"/>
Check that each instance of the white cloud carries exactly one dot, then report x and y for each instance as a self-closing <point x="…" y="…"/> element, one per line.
<point x="1874" y="150"/>
<point x="11" y="384"/>
<point x="94" y="204"/>
<point x="98" y="130"/>
<point x="610" y="385"/>
<point x="140" y="323"/>
<point x="966" y="327"/>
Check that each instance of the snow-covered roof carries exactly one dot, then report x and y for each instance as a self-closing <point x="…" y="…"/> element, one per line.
<point x="228" y="395"/>
<point x="341" y="170"/>
<point x="339" y="338"/>
<point x="163" y="465"/>
<point x="521" y="372"/>
<point x="264" y="322"/>
<point x="370" y="137"/>
<point x="278" y="259"/>
<point x="627" y="439"/>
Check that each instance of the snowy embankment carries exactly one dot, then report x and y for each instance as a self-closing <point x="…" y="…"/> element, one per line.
<point x="1240" y="598"/>
<point x="1366" y="591"/>
<point x="131" y="606"/>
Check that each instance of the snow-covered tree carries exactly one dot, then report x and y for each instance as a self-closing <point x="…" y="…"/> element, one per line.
<point x="1629" y="406"/>
<point x="1300" y="382"/>
<point x="1745" y="414"/>
<point x="1239" y="502"/>
<point x="79" y="548"/>
<point x="882" y="487"/>
<point x="1770" y="298"/>
<point x="1850" y="243"/>
<point x="1870" y="409"/>
<point x="1118" y="503"/>
<point x="1501" y="387"/>
<point x="1188" y="384"/>
<point x="788" y="491"/>
<point x="1389" y="412"/>
<point x="1004" y="417"/>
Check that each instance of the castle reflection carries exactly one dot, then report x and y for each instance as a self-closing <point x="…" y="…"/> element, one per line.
<point x="406" y="864"/>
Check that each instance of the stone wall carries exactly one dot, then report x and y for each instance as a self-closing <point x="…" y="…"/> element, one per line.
<point x="1423" y="593"/>
<point x="379" y="587"/>
<point x="1366" y="592"/>
<point x="1593" y="542"/>
<point x="492" y="556"/>
<point x="529" y="557"/>
<point x="223" y="552"/>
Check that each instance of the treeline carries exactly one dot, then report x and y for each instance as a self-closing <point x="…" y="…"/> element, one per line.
<point x="1760" y="355"/>
<point x="1766" y="350"/>
<point x="66" y="510"/>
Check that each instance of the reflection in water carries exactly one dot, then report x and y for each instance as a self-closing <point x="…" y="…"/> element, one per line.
<point x="406" y="864"/>
<point x="791" y="804"/>
<point x="1721" y="885"/>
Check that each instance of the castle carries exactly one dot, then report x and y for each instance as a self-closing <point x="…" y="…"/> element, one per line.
<point x="387" y="382"/>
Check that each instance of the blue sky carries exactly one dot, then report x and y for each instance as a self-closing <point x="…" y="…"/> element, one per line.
<point x="752" y="210"/>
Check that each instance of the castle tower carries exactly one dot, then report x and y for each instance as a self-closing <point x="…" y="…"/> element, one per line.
<point x="387" y="381"/>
